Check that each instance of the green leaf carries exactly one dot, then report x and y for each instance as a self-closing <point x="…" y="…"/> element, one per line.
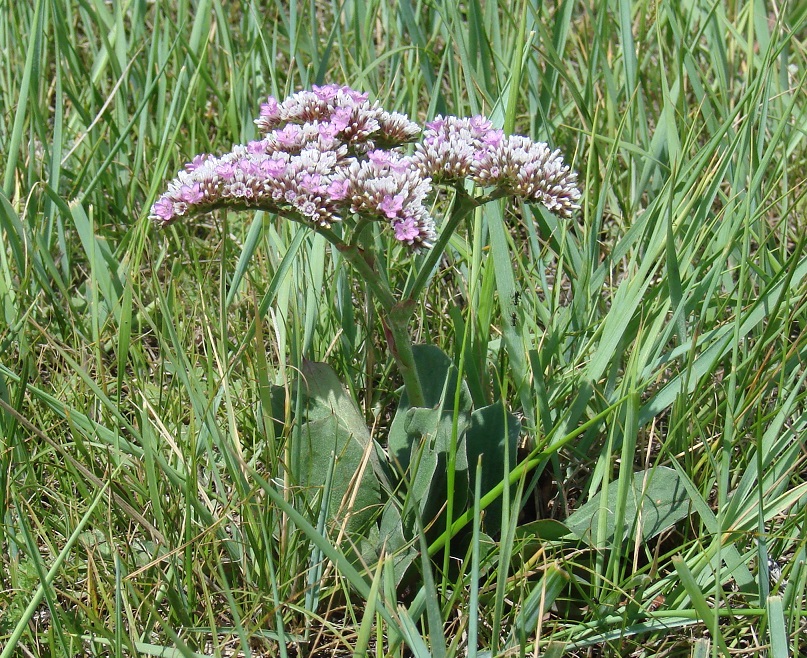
<point x="780" y="646"/>
<point x="542" y="530"/>
<point x="539" y="601"/>
<point x="399" y="549"/>
<point x="334" y="439"/>
<point x="656" y="501"/>
<point x="699" y="602"/>
<point x="328" y="444"/>
<point x="438" y="376"/>
<point x="325" y="397"/>
<point x="492" y="429"/>
<point x="425" y="437"/>
<point x="439" y="379"/>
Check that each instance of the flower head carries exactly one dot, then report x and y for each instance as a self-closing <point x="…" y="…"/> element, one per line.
<point x="454" y="149"/>
<point x="347" y="113"/>
<point x="388" y="187"/>
<point x="529" y="170"/>
<point x="451" y="145"/>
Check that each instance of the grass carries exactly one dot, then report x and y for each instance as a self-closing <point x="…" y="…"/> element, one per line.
<point x="146" y="508"/>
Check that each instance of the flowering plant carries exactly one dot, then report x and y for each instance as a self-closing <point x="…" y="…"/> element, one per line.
<point x="329" y="157"/>
<point x="333" y="161"/>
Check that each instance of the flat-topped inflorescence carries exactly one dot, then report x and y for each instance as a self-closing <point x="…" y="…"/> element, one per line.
<point x="454" y="149"/>
<point x="347" y="113"/>
<point x="329" y="154"/>
<point x="451" y="145"/>
<point x="529" y="170"/>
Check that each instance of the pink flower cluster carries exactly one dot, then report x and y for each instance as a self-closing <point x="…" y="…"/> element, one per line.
<point x="329" y="152"/>
<point x="454" y="149"/>
<point x="344" y="112"/>
<point x="325" y="153"/>
<point x="388" y="184"/>
<point x="451" y="145"/>
<point x="529" y="170"/>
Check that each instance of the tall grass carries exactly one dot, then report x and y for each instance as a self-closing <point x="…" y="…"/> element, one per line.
<point x="146" y="508"/>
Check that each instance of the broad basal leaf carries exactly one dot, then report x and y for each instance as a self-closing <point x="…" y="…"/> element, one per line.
<point x="656" y="501"/>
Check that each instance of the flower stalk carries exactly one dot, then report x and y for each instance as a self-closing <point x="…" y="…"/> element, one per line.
<point x="396" y="316"/>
